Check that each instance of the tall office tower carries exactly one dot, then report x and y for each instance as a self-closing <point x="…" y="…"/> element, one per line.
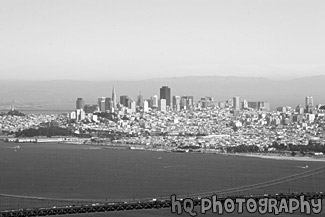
<point x="154" y="99"/>
<point x="244" y="104"/>
<point x="183" y="103"/>
<point x="123" y="100"/>
<point x="80" y="114"/>
<point x="263" y="106"/>
<point x="299" y="109"/>
<point x="132" y="106"/>
<point x="128" y="101"/>
<point x="206" y="102"/>
<point x="149" y="102"/>
<point x="80" y="103"/>
<point x="190" y="100"/>
<point x="176" y="103"/>
<point x="113" y="98"/>
<point x="140" y="100"/>
<point x="108" y="104"/>
<point x="145" y="106"/>
<point x="165" y="93"/>
<point x="101" y="104"/>
<point x="236" y="103"/>
<point x="189" y="103"/>
<point x="162" y="105"/>
<point x="309" y="104"/>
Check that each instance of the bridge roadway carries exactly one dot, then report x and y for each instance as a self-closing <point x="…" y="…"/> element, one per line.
<point x="153" y="204"/>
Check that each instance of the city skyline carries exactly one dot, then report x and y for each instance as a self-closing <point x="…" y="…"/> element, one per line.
<point x="184" y="102"/>
<point x="127" y="40"/>
<point x="58" y="94"/>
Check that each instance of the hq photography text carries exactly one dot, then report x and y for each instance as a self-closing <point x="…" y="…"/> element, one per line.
<point x="262" y="205"/>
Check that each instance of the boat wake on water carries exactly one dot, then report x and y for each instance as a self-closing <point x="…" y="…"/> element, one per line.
<point x="303" y="167"/>
<point x="172" y="166"/>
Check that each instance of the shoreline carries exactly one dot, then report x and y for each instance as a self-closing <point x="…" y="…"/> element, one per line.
<point x="277" y="157"/>
<point x="256" y="155"/>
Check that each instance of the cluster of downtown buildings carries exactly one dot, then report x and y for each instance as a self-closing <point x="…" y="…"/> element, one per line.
<point x="164" y="103"/>
<point x="170" y="122"/>
<point x="178" y="122"/>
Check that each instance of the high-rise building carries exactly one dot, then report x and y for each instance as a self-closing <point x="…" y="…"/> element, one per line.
<point x="145" y="106"/>
<point x="101" y="104"/>
<point x="236" y="103"/>
<point x="124" y="100"/>
<point x="187" y="102"/>
<point x="299" y="109"/>
<point x="206" y="102"/>
<point x="114" y="98"/>
<point x="105" y="104"/>
<point x="80" y="114"/>
<point x="132" y="106"/>
<point x="162" y="105"/>
<point x="309" y="104"/>
<point x="108" y="104"/>
<point x="176" y="103"/>
<point x="244" y="104"/>
<point x="154" y="101"/>
<point x="263" y="106"/>
<point x="309" y="101"/>
<point x="140" y="100"/>
<point x="183" y="103"/>
<point x="165" y="93"/>
<point x="80" y="103"/>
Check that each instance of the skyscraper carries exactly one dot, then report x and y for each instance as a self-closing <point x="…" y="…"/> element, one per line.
<point x="154" y="101"/>
<point x="108" y="104"/>
<point x="162" y="105"/>
<point x="113" y="98"/>
<point x="124" y="100"/>
<point x="309" y="104"/>
<point x="145" y="106"/>
<point x="104" y="104"/>
<point x="236" y="103"/>
<point x="309" y="101"/>
<point x="101" y="104"/>
<point x="176" y="103"/>
<point x="140" y="100"/>
<point x="165" y="93"/>
<point x="80" y="103"/>
<point x="244" y="104"/>
<point x="132" y="106"/>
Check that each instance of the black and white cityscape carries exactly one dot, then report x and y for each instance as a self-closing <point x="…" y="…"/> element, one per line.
<point x="162" y="108"/>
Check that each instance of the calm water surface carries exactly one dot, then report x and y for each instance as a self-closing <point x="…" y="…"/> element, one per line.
<point x="78" y="171"/>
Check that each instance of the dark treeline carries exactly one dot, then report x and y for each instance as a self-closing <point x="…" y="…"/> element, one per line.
<point x="243" y="149"/>
<point x="280" y="147"/>
<point x="44" y="131"/>
<point x="310" y="147"/>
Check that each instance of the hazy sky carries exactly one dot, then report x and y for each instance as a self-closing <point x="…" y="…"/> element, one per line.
<point x="137" y="39"/>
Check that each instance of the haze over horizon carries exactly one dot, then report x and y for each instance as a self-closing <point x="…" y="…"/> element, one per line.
<point x="143" y="39"/>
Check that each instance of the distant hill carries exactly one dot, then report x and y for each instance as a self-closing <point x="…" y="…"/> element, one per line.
<point x="61" y="94"/>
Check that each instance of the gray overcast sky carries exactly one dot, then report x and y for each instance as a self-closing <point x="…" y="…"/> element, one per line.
<point x="138" y="39"/>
